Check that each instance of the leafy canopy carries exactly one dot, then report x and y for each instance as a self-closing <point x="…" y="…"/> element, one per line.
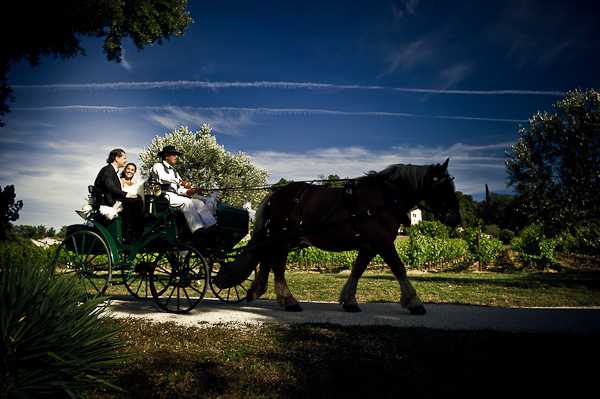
<point x="55" y="28"/>
<point x="206" y="164"/>
<point x="555" y="164"/>
<point x="9" y="209"/>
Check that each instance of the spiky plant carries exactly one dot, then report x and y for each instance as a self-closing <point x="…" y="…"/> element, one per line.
<point x="50" y="343"/>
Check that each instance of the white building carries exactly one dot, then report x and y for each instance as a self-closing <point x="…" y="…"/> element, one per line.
<point x="415" y="216"/>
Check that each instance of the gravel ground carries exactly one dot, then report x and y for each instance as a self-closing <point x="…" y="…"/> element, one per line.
<point x="439" y="316"/>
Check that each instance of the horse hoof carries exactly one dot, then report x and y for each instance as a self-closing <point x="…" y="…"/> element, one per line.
<point x="250" y="295"/>
<point x="418" y="310"/>
<point x="352" y="308"/>
<point x="293" y="308"/>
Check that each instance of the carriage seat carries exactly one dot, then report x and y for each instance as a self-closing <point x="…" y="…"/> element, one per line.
<point x="96" y="197"/>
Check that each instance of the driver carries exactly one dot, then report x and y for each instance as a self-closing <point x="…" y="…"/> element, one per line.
<point x="197" y="213"/>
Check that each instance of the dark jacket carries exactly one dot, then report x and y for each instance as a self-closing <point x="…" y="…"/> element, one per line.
<point x="109" y="184"/>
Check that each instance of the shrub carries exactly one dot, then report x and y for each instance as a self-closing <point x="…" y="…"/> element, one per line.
<point x="430" y="228"/>
<point x="534" y="247"/>
<point x="506" y="236"/>
<point x="492" y="230"/>
<point x="50" y="343"/>
<point x="421" y="249"/>
<point x="488" y="249"/>
<point x="585" y="239"/>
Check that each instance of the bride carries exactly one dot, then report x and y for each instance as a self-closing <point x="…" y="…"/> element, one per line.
<point x="133" y="210"/>
<point x="128" y="184"/>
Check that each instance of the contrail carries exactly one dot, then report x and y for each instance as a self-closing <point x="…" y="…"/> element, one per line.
<point x="197" y="84"/>
<point x="260" y="110"/>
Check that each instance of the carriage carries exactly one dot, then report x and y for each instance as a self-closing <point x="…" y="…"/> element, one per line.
<point x="164" y="262"/>
<point x="364" y="214"/>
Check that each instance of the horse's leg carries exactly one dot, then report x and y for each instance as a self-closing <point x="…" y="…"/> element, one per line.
<point x="259" y="286"/>
<point x="348" y="293"/>
<point x="284" y="296"/>
<point x="408" y="295"/>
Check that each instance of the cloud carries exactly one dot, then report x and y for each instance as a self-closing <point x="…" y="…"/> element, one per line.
<point x="281" y="85"/>
<point x="53" y="179"/>
<point x="169" y="115"/>
<point x="53" y="182"/>
<point x="410" y="55"/>
<point x="559" y="30"/>
<point x="124" y="63"/>
<point x="404" y="8"/>
<point x="221" y="121"/>
<point x="472" y="165"/>
<point x="454" y="74"/>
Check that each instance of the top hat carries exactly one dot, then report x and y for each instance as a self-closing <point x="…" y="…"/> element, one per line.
<point x="168" y="150"/>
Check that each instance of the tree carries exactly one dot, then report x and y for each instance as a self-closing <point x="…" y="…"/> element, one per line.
<point x="333" y="181"/>
<point x="555" y="164"/>
<point x="468" y="209"/>
<point x="9" y="209"/>
<point x="207" y="164"/>
<point x="56" y="26"/>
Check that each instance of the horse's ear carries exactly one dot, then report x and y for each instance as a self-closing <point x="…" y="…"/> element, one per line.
<point x="445" y="164"/>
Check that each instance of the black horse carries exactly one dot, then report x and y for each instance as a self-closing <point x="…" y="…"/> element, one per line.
<point x="363" y="215"/>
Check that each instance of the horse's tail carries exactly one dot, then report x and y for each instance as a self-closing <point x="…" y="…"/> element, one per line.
<point x="245" y="263"/>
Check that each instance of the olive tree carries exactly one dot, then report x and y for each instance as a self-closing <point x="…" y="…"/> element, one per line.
<point x="206" y="164"/>
<point x="555" y="164"/>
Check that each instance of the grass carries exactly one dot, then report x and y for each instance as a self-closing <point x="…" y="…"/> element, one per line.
<point x="312" y="361"/>
<point x="488" y="289"/>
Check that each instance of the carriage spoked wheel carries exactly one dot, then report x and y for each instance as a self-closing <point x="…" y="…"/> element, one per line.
<point x="85" y="256"/>
<point x="136" y="276"/>
<point x="180" y="278"/>
<point x="235" y="294"/>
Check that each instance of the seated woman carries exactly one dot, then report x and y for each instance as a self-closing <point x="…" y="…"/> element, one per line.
<point x="133" y="208"/>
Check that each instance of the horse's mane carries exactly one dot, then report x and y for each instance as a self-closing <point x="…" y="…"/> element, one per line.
<point x="398" y="174"/>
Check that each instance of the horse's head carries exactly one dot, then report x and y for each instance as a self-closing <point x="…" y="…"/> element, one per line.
<point x="441" y="197"/>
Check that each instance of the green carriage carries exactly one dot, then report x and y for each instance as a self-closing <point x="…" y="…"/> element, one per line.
<point x="164" y="262"/>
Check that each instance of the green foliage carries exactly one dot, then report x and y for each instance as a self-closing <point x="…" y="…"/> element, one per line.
<point x="482" y="247"/>
<point x="584" y="239"/>
<point x="492" y="230"/>
<point x="418" y="252"/>
<point x="430" y="228"/>
<point x="60" y="24"/>
<point x="318" y="259"/>
<point x="534" y="247"/>
<point x="50" y="343"/>
<point x="9" y="209"/>
<point x="468" y="209"/>
<point x="208" y="165"/>
<point x="555" y="164"/>
<point x="421" y="250"/>
<point x="34" y="232"/>
<point x="506" y="236"/>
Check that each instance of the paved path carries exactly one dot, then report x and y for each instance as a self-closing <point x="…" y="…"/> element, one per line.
<point x="439" y="316"/>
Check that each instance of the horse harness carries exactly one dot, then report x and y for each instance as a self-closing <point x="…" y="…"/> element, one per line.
<point x="295" y="224"/>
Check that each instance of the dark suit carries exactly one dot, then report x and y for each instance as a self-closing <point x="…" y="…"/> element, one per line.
<point x="109" y="184"/>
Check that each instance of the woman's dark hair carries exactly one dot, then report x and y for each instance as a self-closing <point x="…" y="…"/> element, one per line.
<point x="117" y="152"/>
<point x="130" y="163"/>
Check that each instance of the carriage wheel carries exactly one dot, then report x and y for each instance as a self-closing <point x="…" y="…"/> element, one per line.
<point x="180" y="279"/>
<point x="136" y="276"/>
<point x="85" y="256"/>
<point x="235" y="294"/>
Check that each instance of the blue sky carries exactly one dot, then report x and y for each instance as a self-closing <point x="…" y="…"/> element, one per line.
<point x="306" y="89"/>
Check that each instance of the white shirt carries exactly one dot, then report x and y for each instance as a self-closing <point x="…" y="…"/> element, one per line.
<point x="168" y="175"/>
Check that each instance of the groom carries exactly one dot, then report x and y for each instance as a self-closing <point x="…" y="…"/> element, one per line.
<point x="109" y="184"/>
<point x="107" y="181"/>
